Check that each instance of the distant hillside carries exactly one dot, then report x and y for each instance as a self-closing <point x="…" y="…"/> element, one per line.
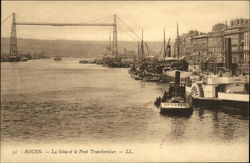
<point x="71" y="48"/>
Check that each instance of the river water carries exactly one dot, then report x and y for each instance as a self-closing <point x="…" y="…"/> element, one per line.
<point x="46" y="101"/>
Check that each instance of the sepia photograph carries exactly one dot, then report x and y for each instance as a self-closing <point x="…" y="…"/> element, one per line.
<point x="124" y="81"/>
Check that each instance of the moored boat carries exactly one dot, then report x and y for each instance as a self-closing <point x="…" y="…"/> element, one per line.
<point x="24" y="59"/>
<point x="152" y="78"/>
<point x="57" y="58"/>
<point x="230" y="91"/>
<point x="14" y="58"/>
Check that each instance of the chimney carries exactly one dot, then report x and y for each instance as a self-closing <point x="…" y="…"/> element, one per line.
<point x="177" y="78"/>
<point x="228" y="53"/>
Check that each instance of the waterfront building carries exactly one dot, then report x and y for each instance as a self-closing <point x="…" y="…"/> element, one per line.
<point x="216" y="43"/>
<point x="236" y="32"/>
<point x="200" y="48"/>
<point x="186" y="47"/>
<point x="246" y="44"/>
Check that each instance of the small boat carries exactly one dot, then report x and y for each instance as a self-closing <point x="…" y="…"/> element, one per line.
<point x="152" y="78"/>
<point x="135" y="76"/>
<point x="57" y="58"/>
<point x="83" y="61"/>
<point x="24" y="59"/>
<point x="175" y="101"/>
<point x="14" y="58"/>
<point x="134" y="73"/>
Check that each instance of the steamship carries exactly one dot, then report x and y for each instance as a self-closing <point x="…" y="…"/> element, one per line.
<point x="223" y="88"/>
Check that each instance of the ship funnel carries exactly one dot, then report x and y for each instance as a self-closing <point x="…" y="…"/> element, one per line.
<point x="169" y="51"/>
<point x="228" y="53"/>
<point x="177" y="78"/>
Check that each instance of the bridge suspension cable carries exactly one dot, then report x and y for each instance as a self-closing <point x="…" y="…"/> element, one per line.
<point x="129" y="28"/>
<point x="6" y="19"/>
<point x="139" y="38"/>
<point x="123" y="31"/>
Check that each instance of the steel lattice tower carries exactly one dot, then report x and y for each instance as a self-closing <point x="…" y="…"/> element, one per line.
<point x="13" y="39"/>
<point x="114" y="47"/>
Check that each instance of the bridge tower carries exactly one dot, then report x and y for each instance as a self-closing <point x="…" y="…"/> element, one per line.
<point x="13" y="39"/>
<point x="114" y="47"/>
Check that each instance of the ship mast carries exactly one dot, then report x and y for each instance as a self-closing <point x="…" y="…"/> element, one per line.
<point x="115" y="48"/>
<point x="178" y="43"/>
<point x="110" y="45"/>
<point x="138" y="52"/>
<point x="164" y="50"/>
<point x="142" y="48"/>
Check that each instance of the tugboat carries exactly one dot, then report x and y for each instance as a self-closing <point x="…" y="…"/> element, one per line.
<point x="57" y="58"/>
<point x="175" y="101"/>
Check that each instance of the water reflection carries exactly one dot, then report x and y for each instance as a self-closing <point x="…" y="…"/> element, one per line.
<point x="201" y="113"/>
<point x="178" y="125"/>
<point x="178" y="128"/>
<point x="223" y="126"/>
<point x="240" y="113"/>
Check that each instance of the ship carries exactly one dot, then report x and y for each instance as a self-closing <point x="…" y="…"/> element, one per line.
<point x="171" y="64"/>
<point x="158" y="70"/>
<point x="57" y="58"/>
<point x="175" y="101"/>
<point x="134" y="73"/>
<point x="222" y="88"/>
<point x="24" y="59"/>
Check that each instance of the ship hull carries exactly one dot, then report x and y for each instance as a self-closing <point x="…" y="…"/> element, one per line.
<point x="177" y="111"/>
<point x="221" y="103"/>
<point x="14" y="59"/>
<point x="135" y="76"/>
<point x="176" y="108"/>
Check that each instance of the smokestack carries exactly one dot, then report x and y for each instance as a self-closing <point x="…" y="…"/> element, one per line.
<point x="177" y="78"/>
<point x="228" y="53"/>
<point x="169" y="51"/>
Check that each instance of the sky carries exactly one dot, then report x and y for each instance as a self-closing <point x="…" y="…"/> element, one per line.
<point x="151" y="16"/>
